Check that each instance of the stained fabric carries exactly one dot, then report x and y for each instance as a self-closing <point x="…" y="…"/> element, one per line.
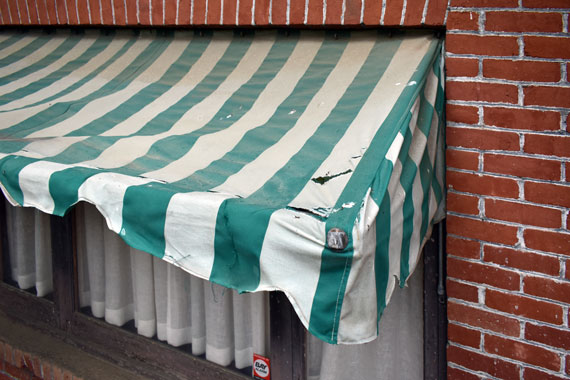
<point x="233" y="155"/>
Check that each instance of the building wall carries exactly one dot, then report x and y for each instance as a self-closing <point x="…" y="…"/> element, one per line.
<point x="508" y="103"/>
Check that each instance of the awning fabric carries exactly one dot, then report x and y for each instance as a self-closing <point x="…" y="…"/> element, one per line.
<point x="233" y="154"/>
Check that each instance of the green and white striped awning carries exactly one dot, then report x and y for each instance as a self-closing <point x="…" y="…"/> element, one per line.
<point x="232" y="155"/>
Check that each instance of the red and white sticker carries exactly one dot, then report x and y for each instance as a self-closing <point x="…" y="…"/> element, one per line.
<point x="261" y="367"/>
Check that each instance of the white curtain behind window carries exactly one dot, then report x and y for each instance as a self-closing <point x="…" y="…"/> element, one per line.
<point x="120" y="284"/>
<point x="29" y="244"/>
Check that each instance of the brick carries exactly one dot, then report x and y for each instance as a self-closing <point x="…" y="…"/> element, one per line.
<point x="545" y="3"/>
<point x="297" y="12"/>
<point x="18" y="358"/>
<point x="482" y="274"/>
<point x="547" y="96"/>
<point x="42" y="12"/>
<point x="24" y="16"/>
<point x="334" y="12"/>
<point x="14" y="13"/>
<point x="57" y="373"/>
<point x="214" y="12"/>
<point x="533" y="374"/>
<point x="483" y="139"/>
<point x="461" y="67"/>
<point x="47" y="370"/>
<point x="482" y="92"/>
<point x="37" y="366"/>
<point x="482" y="184"/>
<point x="463" y="248"/>
<point x="462" y="114"/>
<point x="458" y="374"/>
<point x="485" y="3"/>
<point x="482" y="230"/>
<point x="531" y="71"/>
<point x="522" y="118"/>
<point x="547" y="47"/>
<point x="524" y="307"/>
<point x="552" y="145"/>
<point x="463" y="335"/>
<point x="372" y="12"/>
<point x="461" y="291"/>
<point x="568" y="364"/>
<point x="170" y="13"/>
<point x="523" y="213"/>
<point x="481" y="45"/>
<point x="61" y="9"/>
<point x="524" y="167"/>
<point x="278" y="12"/>
<point x="523" y="352"/>
<point x="524" y="260"/>
<point x="463" y="204"/>
<point x="315" y="13"/>
<point x="8" y="353"/>
<point x="184" y="11"/>
<point x="17" y="372"/>
<point x="244" y="13"/>
<point x="131" y="14"/>
<point x="83" y="12"/>
<point x="199" y="15"/>
<point x="462" y="160"/>
<point x="548" y="241"/>
<point x="547" y="288"/>
<point x="436" y="12"/>
<point x="414" y="12"/>
<point x="550" y="336"/>
<point x="107" y="12"/>
<point x="523" y="22"/>
<point x="479" y="362"/>
<point x="261" y="12"/>
<point x="230" y="12"/>
<point x="393" y="12"/>
<point x="462" y="21"/>
<point x="67" y="375"/>
<point x="352" y="11"/>
<point x="52" y="11"/>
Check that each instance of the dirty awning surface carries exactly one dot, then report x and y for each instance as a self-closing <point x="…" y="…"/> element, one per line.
<point x="233" y="155"/>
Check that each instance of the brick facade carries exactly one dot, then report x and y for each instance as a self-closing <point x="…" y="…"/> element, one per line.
<point x="508" y="124"/>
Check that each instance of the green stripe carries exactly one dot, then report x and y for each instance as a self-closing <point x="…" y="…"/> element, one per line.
<point x="25" y="50"/>
<point x="138" y="101"/>
<point x="62" y="111"/>
<point x="138" y="198"/>
<point x="64" y="71"/>
<point x="322" y="321"/>
<point x="382" y="252"/>
<point x="10" y="41"/>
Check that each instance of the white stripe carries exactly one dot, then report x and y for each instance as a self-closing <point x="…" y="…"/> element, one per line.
<point x="106" y="191"/>
<point x="397" y="195"/>
<point x="34" y="182"/>
<point x="252" y="176"/>
<point x="197" y="72"/>
<point x="359" y="307"/>
<point x="72" y="54"/>
<point x="394" y="150"/>
<point x="348" y="151"/>
<point x="108" y="75"/>
<point x="32" y="58"/>
<point x="293" y="237"/>
<point x="20" y="44"/>
<point x="195" y="212"/>
<point x="128" y="149"/>
<point x="70" y="79"/>
<point x="213" y="146"/>
<point x="100" y="106"/>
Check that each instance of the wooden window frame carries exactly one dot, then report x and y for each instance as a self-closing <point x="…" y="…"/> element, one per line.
<point x="288" y="347"/>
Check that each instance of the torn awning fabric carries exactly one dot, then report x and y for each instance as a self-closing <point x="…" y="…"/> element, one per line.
<point x="233" y="154"/>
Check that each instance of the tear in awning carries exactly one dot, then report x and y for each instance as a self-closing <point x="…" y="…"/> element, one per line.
<point x="234" y="155"/>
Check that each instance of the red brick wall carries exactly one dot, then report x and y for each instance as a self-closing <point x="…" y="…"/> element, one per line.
<point x="508" y="103"/>
<point x="224" y="12"/>
<point x="18" y="365"/>
<point x="508" y="98"/>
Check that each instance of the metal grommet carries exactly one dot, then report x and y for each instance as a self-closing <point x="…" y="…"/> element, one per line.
<point x="337" y="239"/>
